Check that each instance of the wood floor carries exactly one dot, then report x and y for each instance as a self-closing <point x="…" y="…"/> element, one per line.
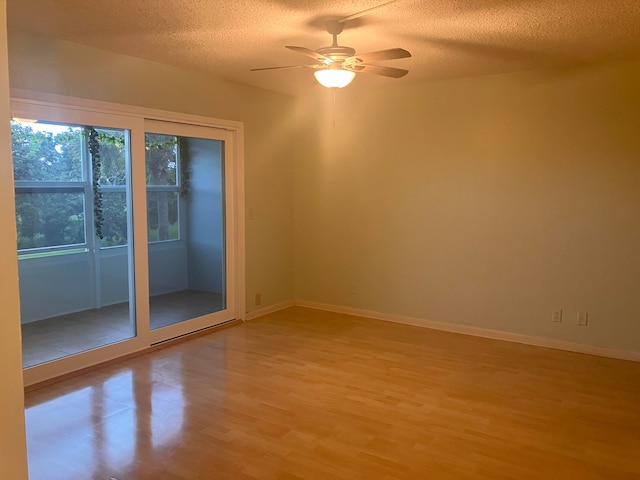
<point x="304" y="394"/>
<point x="57" y="337"/>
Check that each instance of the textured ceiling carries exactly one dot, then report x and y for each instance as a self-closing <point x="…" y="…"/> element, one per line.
<point x="447" y="38"/>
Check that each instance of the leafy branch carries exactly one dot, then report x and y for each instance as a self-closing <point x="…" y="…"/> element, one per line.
<point x="185" y="166"/>
<point x="96" y="165"/>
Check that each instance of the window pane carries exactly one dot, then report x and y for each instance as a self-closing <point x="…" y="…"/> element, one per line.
<point x="49" y="219"/>
<point x="113" y="170"/>
<point x="114" y="212"/>
<point x="162" y="212"/>
<point x="187" y="279"/>
<point x="162" y="159"/>
<point x="46" y="152"/>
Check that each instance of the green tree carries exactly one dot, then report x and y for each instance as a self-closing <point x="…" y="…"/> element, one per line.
<point x="113" y="172"/>
<point x="47" y="219"/>
<point x="161" y="158"/>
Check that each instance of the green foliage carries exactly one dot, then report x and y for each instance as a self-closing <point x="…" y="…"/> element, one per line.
<point x="185" y="166"/>
<point x="173" y="233"/>
<point x="114" y="229"/>
<point x="45" y="156"/>
<point x="113" y="157"/>
<point x="162" y="161"/>
<point x="46" y="219"/>
<point x="94" y="150"/>
<point x="162" y="212"/>
<point x="163" y="154"/>
<point x="113" y="172"/>
<point x="49" y="219"/>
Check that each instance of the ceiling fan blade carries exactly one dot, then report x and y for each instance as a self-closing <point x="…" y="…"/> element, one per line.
<point x="378" y="70"/>
<point x="284" y="66"/>
<point x="379" y="56"/>
<point x="310" y="53"/>
<point x="364" y="12"/>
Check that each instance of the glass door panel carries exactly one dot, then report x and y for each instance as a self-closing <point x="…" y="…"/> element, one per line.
<point x="72" y="220"/>
<point x="186" y="216"/>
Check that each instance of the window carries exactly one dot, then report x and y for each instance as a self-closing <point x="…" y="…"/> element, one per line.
<point x="163" y="187"/>
<point x="59" y="208"/>
<point x="51" y="219"/>
<point x="113" y="184"/>
<point x="50" y="186"/>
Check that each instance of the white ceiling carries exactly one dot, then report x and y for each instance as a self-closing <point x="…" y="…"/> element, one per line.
<point x="447" y="38"/>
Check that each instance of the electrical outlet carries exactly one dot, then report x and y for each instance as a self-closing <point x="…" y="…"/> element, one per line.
<point x="258" y="299"/>
<point x="354" y="289"/>
<point x="557" y="316"/>
<point x="583" y="319"/>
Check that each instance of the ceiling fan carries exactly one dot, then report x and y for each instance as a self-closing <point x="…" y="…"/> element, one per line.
<point x="336" y="66"/>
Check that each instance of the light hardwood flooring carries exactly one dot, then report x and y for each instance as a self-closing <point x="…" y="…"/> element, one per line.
<point x="305" y="394"/>
<point x="53" y="338"/>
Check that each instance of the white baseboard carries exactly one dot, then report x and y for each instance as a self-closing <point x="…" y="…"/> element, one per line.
<point x="477" y="332"/>
<point x="269" y="309"/>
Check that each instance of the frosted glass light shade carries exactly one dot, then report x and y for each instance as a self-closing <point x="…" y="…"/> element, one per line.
<point x="334" y="77"/>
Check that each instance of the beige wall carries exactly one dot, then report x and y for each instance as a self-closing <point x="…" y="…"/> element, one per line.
<point x="66" y="68"/>
<point x="487" y="202"/>
<point x="13" y="455"/>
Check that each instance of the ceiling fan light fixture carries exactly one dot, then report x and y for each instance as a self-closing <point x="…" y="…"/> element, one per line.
<point x="334" y="77"/>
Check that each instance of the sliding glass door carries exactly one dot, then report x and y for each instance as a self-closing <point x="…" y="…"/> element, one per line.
<point x="127" y="232"/>
<point x="187" y="228"/>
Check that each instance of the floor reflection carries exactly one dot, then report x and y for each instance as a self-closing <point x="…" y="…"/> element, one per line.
<point x="59" y="436"/>
<point x="101" y="430"/>
<point x="167" y="407"/>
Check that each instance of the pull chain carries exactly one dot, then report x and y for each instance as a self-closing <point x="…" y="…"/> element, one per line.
<point x="334" y="107"/>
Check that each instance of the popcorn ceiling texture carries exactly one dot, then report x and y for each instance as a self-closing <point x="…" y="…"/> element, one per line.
<point x="447" y="38"/>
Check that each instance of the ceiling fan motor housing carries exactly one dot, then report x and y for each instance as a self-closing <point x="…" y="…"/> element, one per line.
<point x="337" y="53"/>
